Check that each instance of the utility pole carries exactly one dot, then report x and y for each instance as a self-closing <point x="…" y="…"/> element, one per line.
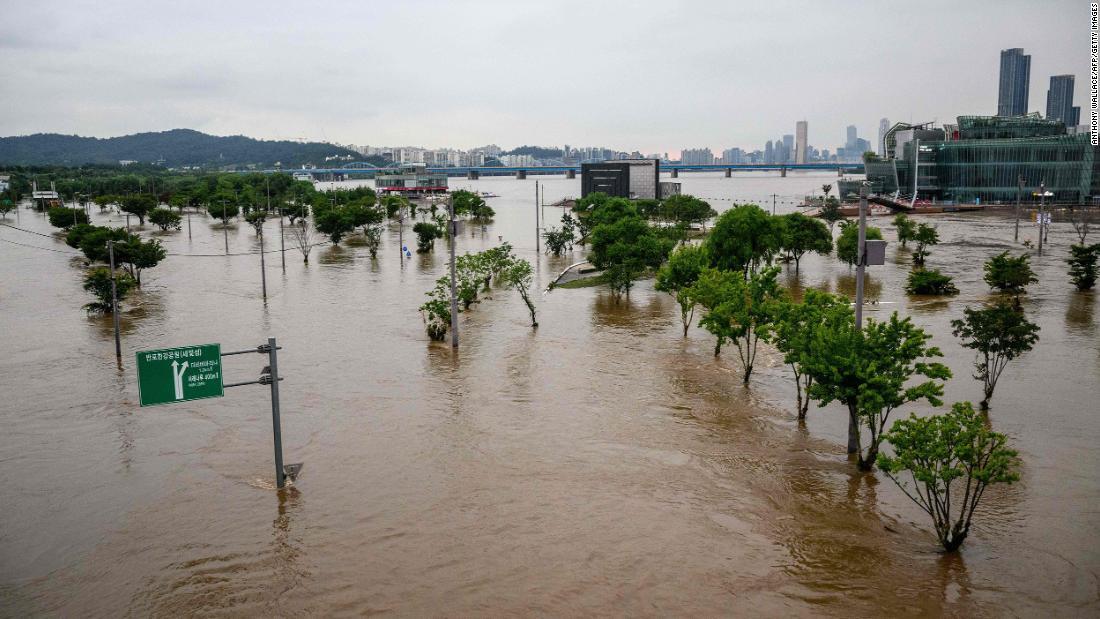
<point x="1019" y="192"/>
<point x="454" y="293"/>
<point x="536" y="217"/>
<point x="1042" y="214"/>
<point x="114" y="301"/>
<point x="225" y="228"/>
<point x="276" y="425"/>
<point x="861" y="262"/>
<point x="773" y="203"/>
<point x="282" y="238"/>
<point x="263" y="267"/>
<point x="188" y="223"/>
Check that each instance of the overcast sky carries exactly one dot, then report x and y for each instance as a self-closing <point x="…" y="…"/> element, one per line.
<point x="651" y="76"/>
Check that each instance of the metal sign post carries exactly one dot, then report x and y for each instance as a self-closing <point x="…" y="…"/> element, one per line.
<point x="171" y="375"/>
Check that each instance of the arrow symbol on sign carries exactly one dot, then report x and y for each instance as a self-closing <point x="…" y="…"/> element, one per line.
<point x="177" y="377"/>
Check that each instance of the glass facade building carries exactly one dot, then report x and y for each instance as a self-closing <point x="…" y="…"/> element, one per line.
<point x="984" y="162"/>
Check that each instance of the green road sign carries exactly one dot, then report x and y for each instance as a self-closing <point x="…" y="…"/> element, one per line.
<point x="179" y="374"/>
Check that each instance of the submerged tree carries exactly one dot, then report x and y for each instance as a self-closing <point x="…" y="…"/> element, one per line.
<point x="518" y="276"/>
<point x="792" y="332"/>
<point x="426" y="234"/>
<point x="743" y="238"/>
<point x="801" y="234"/>
<point x="303" y="237"/>
<point x="847" y="244"/>
<point x="830" y="212"/>
<point x="678" y="275"/>
<point x="1082" y="265"/>
<point x="905" y="227"/>
<point x="373" y="235"/>
<point x="624" y="249"/>
<point x="998" y="334"/>
<point x="871" y="371"/>
<point x="738" y="309"/>
<point x="951" y="459"/>
<point x="930" y="282"/>
<point x="165" y="219"/>
<point x="98" y="282"/>
<point x="925" y="236"/>
<point x="1010" y="275"/>
<point x="436" y="311"/>
<point x="65" y="218"/>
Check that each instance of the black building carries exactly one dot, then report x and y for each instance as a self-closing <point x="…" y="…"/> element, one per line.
<point x="1060" y="99"/>
<point x="1014" y="82"/>
<point x="624" y="178"/>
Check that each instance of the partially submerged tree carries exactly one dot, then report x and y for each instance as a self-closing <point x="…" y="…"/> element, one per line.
<point x="800" y="234"/>
<point x="1082" y="265"/>
<point x="223" y="210"/>
<point x="436" y="311"/>
<point x="906" y="228"/>
<point x="925" y="236"/>
<point x="303" y="237"/>
<point x="98" y="282"/>
<point x="738" y="310"/>
<point x="426" y="234"/>
<point x="138" y="205"/>
<point x="847" y="244"/>
<point x="165" y="219"/>
<point x="742" y="239"/>
<point x="373" y="235"/>
<point x="335" y="223"/>
<point x="624" y="249"/>
<point x="1010" y="275"/>
<point x="65" y="218"/>
<point x="872" y="371"/>
<point x="930" y="282"/>
<point x="951" y="460"/>
<point x="518" y="276"/>
<point x="678" y="275"/>
<point x="998" y="334"/>
<point x="830" y="212"/>
<point x="792" y="332"/>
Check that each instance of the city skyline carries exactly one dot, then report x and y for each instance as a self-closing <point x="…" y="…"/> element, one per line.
<point x="313" y="76"/>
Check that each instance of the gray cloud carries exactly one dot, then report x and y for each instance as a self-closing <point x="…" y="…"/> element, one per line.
<point x="636" y="75"/>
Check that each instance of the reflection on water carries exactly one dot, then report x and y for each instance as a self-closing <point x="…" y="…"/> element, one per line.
<point x="601" y="465"/>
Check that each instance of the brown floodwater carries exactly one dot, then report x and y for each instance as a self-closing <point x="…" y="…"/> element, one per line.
<point x="601" y="465"/>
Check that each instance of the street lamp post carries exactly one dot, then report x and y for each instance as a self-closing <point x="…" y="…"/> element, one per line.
<point x="1019" y="191"/>
<point x="1043" y="195"/>
<point x="454" y="293"/>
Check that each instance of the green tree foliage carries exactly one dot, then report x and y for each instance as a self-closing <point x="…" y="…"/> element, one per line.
<point x="295" y="211"/>
<point x="800" y="234"/>
<point x="737" y="309"/>
<point x="685" y="211"/>
<point x="679" y="274"/>
<point x="793" y="330"/>
<point x="951" y="460"/>
<point x="925" y="237"/>
<point x="65" y="218"/>
<point x="742" y="239"/>
<point x="335" y="222"/>
<point x="470" y="204"/>
<point x="874" y="371"/>
<point x="223" y="210"/>
<point x="1082" y="265"/>
<point x="870" y="156"/>
<point x="558" y="241"/>
<point x="906" y="228"/>
<point x="373" y="235"/>
<point x="98" y="282"/>
<point x="847" y="244"/>
<point x="165" y="219"/>
<point x="138" y="205"/>
<point x="92" y="241"/>
<point x="998" y="334"/>
<point x="436" y="311"/>
<point x="426" y="234"/>
<point x="930" y="282"/>
<point x="625" y="249"/>
<point x="518" y="276"/>
<point x="1010" y="275"/>
<point x="256" y="219"/>
<point x="395" y="205"/>
<point x="830" y="211"/>
<point x="7" y="205"/>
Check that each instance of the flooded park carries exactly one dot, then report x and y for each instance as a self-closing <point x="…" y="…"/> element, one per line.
<point x="601" y="464"/>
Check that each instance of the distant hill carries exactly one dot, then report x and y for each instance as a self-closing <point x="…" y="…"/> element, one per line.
<point x="538" y="152"/>
<point x="178" y="147"/>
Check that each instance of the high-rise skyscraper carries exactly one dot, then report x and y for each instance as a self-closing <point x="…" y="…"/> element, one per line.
<point x="1015" y="79"/>
<point x="769" y="153"/>
<point x="852" y="137"/>
<point x="883" y="127"/>
<point x="1060" y="98"/>
<point x="800" y="130"/>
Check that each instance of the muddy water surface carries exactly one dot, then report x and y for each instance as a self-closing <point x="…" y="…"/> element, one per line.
<point x="601" y="465"/>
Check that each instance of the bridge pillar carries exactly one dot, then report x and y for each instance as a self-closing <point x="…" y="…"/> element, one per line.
<point x="675" y="173"/>
<point x="783" y="172"/>
<point x="521" y="175"/>
<point x="570" y="174"/>
<point x="729" y="172"/>
<point x="473" y="175"/>
<point x="839" y="172"/>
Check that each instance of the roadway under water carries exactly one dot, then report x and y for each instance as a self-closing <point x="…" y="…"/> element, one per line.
<point x="601" y="465"/>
